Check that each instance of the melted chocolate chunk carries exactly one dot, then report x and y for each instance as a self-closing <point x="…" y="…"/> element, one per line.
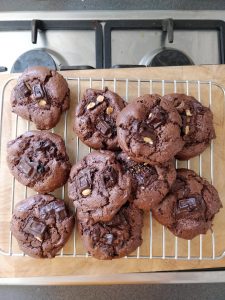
<point x="23" y="90"/>
<point x="103" y="127"/>
<point x="25" y="167"/>
<point x="157" y="117"/>
<point x="84" y="181"/>
<point x="145" y="175"/>
<point x="61" y="213"/>
<point x="40" y="168"/>
<point x="189" y="204"/>
<point x="53" y="209"/>
<point x="109" y="238"/>
<point x="110" y="177"/>
<point x="38" y="91"/>
<point x="47" y="211"/>
<point x="36" y="228"/>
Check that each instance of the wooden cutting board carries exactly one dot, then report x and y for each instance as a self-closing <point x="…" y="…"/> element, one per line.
<point x="20" y="266"/>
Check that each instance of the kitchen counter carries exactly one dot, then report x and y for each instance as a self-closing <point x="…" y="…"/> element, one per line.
<point x="26" y="5"/>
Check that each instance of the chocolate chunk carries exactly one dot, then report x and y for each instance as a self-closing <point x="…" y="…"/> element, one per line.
<point x="25" y="167"/>
<point x="84" y="181"/>
<point x="110" y="177"/>
<point x="47" y="211"/>
<point x="146" y="176"/>
<point x="109" y="238"/>
<point x="36" y="228"/>
<point x="61" y="213"/>
<point x="23" y="90"/>
<point x="188" y="204"/>
<point x="157" y="117"/>
<point x="38" y="91"/>
<point x="40" y="168"/>
<point x="53" y="209"/>
<point x="103" y="127"/>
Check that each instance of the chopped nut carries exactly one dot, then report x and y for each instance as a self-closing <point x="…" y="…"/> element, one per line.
<point x="38" y="238"/>
<point x="148" y="140"/>
<point x="109" y="110"/>
<point x="86" y="192"/>
<point x="150" y="115"/>
<point x="42" y="102"/>
<point x="91" y="105"/>
<point x="142" y="187"/>
<point x="187" y="129"/>
<point x="100" y="98"/>
<point x="188" y="113"/>
<point x="145" y="164"/>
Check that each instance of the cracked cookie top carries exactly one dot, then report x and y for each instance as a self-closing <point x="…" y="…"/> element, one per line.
<point x="197" y="124"/>
<point x="40" y="95"/>
<point x="98" y="186"/>
<point x="38" y="159"/>
<point x="95" y="118"/>
<point x="42" y="225"/>
<point x="149" y="183"/>
<point x="149" y="130"/>
<point x="188" y="210"/>
<point x="116" y="238"/>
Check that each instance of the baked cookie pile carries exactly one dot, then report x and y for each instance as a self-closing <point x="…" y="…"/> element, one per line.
<point x="149" y="132"/>
<point x="131" y="171"/>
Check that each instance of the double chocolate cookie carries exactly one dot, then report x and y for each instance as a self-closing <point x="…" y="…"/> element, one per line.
<point x="149" y="130"/>
<point x="188" y="210"/>
<point x="197" y="125"/>
<point x="117" y="238"/>
<point x="40" y="95"/>
<point x="98" y="186"/>
<point x="95" y="118"/>
<point x="42" y="225"/>
<point x="150" y="184"/>
<point x="38" y="160"/>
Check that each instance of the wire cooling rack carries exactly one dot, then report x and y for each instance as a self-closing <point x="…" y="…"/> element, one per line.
<point x="158" y="242"/>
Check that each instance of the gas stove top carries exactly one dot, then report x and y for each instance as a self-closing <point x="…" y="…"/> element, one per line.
<point x="102" y="40"/>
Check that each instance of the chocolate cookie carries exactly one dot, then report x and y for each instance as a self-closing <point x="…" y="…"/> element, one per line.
<point x="42" y="225"/>
<point x="150" y="184"/>
<point x="188" y="210"/>
<point x="114" y="239"/>
<point x="40" y="95"/>
<point x="38" y="160"/>
<point x="95" y="118"/>
<point x="98" y="186"/>
<point x="149" y="130"/>
<point x="197" y="125"/>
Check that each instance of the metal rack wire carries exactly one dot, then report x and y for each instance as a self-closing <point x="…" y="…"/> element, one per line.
<point x="150" y="86"/>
